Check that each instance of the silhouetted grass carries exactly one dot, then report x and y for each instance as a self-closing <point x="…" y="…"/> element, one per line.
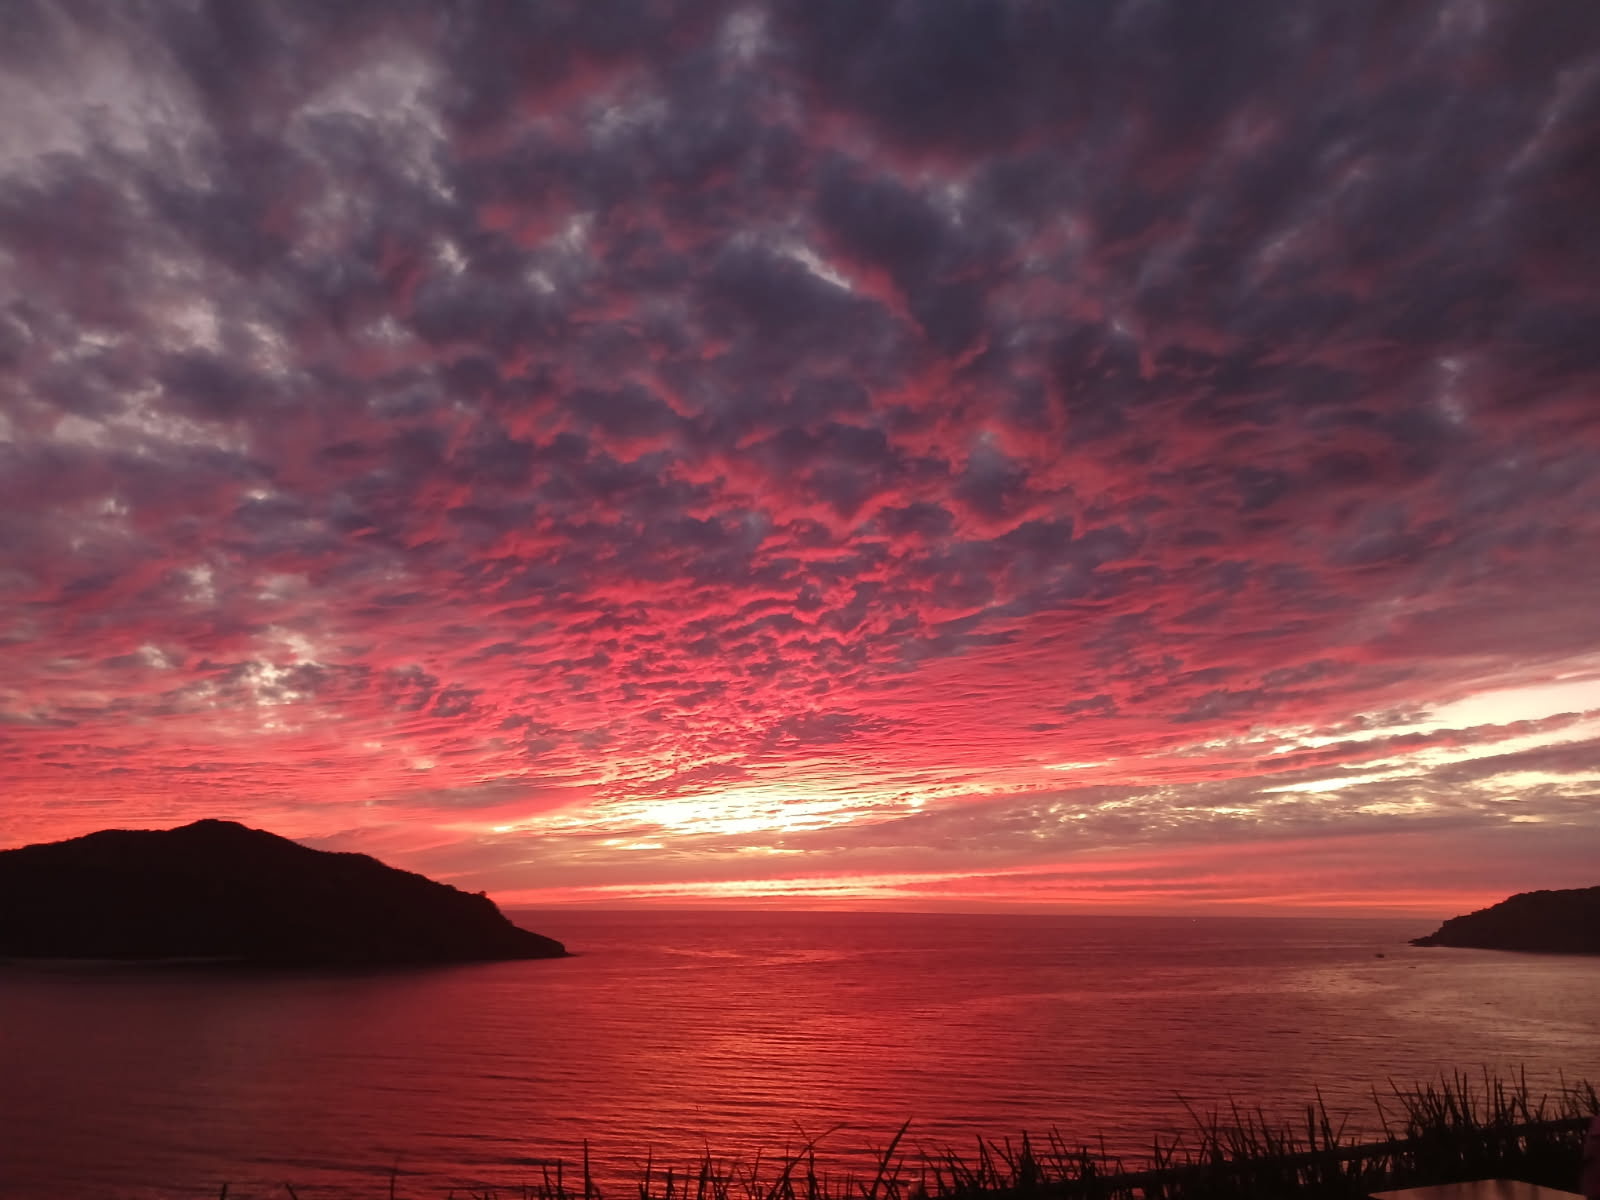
<point x="1454" y="1129"/>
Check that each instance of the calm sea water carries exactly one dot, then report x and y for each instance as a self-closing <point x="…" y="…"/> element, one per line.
<point x="672" y="1032"/>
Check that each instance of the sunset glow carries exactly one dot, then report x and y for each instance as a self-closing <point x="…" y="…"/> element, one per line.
<point x="813" y="453"/>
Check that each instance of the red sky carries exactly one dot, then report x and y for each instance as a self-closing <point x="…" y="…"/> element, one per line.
<point x="931" y="456"/>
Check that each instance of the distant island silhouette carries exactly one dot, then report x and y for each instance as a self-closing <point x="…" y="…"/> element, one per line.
<point x="221" y="890"/>
<point x="1553" y="922"/>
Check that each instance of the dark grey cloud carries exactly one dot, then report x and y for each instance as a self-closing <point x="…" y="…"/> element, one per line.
<point x="456" y="392"/>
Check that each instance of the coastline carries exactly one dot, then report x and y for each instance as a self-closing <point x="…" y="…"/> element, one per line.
<point x="1454" y="1129"/>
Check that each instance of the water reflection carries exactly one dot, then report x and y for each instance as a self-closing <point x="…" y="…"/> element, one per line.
<point x="743" y="1032"/>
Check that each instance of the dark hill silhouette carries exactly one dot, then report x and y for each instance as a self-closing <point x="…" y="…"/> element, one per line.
<point x="217" y="889"/>
<point x="1554" y="922"/>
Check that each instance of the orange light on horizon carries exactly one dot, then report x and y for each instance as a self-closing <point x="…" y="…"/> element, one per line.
<point x="1107" y="886"/>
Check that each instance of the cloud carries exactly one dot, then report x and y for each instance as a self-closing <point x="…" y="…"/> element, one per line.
<point x="459" y="432"/>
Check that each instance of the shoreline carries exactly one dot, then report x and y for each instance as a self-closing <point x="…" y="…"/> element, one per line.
<point x="1454" y="1129"/>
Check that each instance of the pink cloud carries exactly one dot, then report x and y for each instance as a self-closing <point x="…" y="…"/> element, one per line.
<point x="415" y="434"/>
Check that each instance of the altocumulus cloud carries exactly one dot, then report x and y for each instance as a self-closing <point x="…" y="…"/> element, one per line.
<point x="992" y="451"/>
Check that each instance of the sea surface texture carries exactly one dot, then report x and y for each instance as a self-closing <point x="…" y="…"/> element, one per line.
<point x="673" y="1032"/>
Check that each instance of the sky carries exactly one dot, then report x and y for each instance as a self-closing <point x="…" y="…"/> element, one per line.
<point x="1120" y="455"/>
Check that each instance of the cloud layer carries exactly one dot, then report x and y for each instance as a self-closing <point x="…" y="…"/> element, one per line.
<point x="922" y="454"/>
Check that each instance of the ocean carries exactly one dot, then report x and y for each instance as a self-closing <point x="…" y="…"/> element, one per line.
<point x="670" y="1033"/>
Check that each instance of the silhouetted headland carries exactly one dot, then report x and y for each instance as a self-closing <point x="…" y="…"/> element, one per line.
<point x="1552" y="922"/>
<point x="220" y="890"/>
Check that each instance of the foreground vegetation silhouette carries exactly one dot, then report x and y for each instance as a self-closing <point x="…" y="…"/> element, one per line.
<point x="1455" y="1129"/>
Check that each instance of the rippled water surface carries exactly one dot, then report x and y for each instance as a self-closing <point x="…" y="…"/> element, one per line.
<point x="671" y="1032"/>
